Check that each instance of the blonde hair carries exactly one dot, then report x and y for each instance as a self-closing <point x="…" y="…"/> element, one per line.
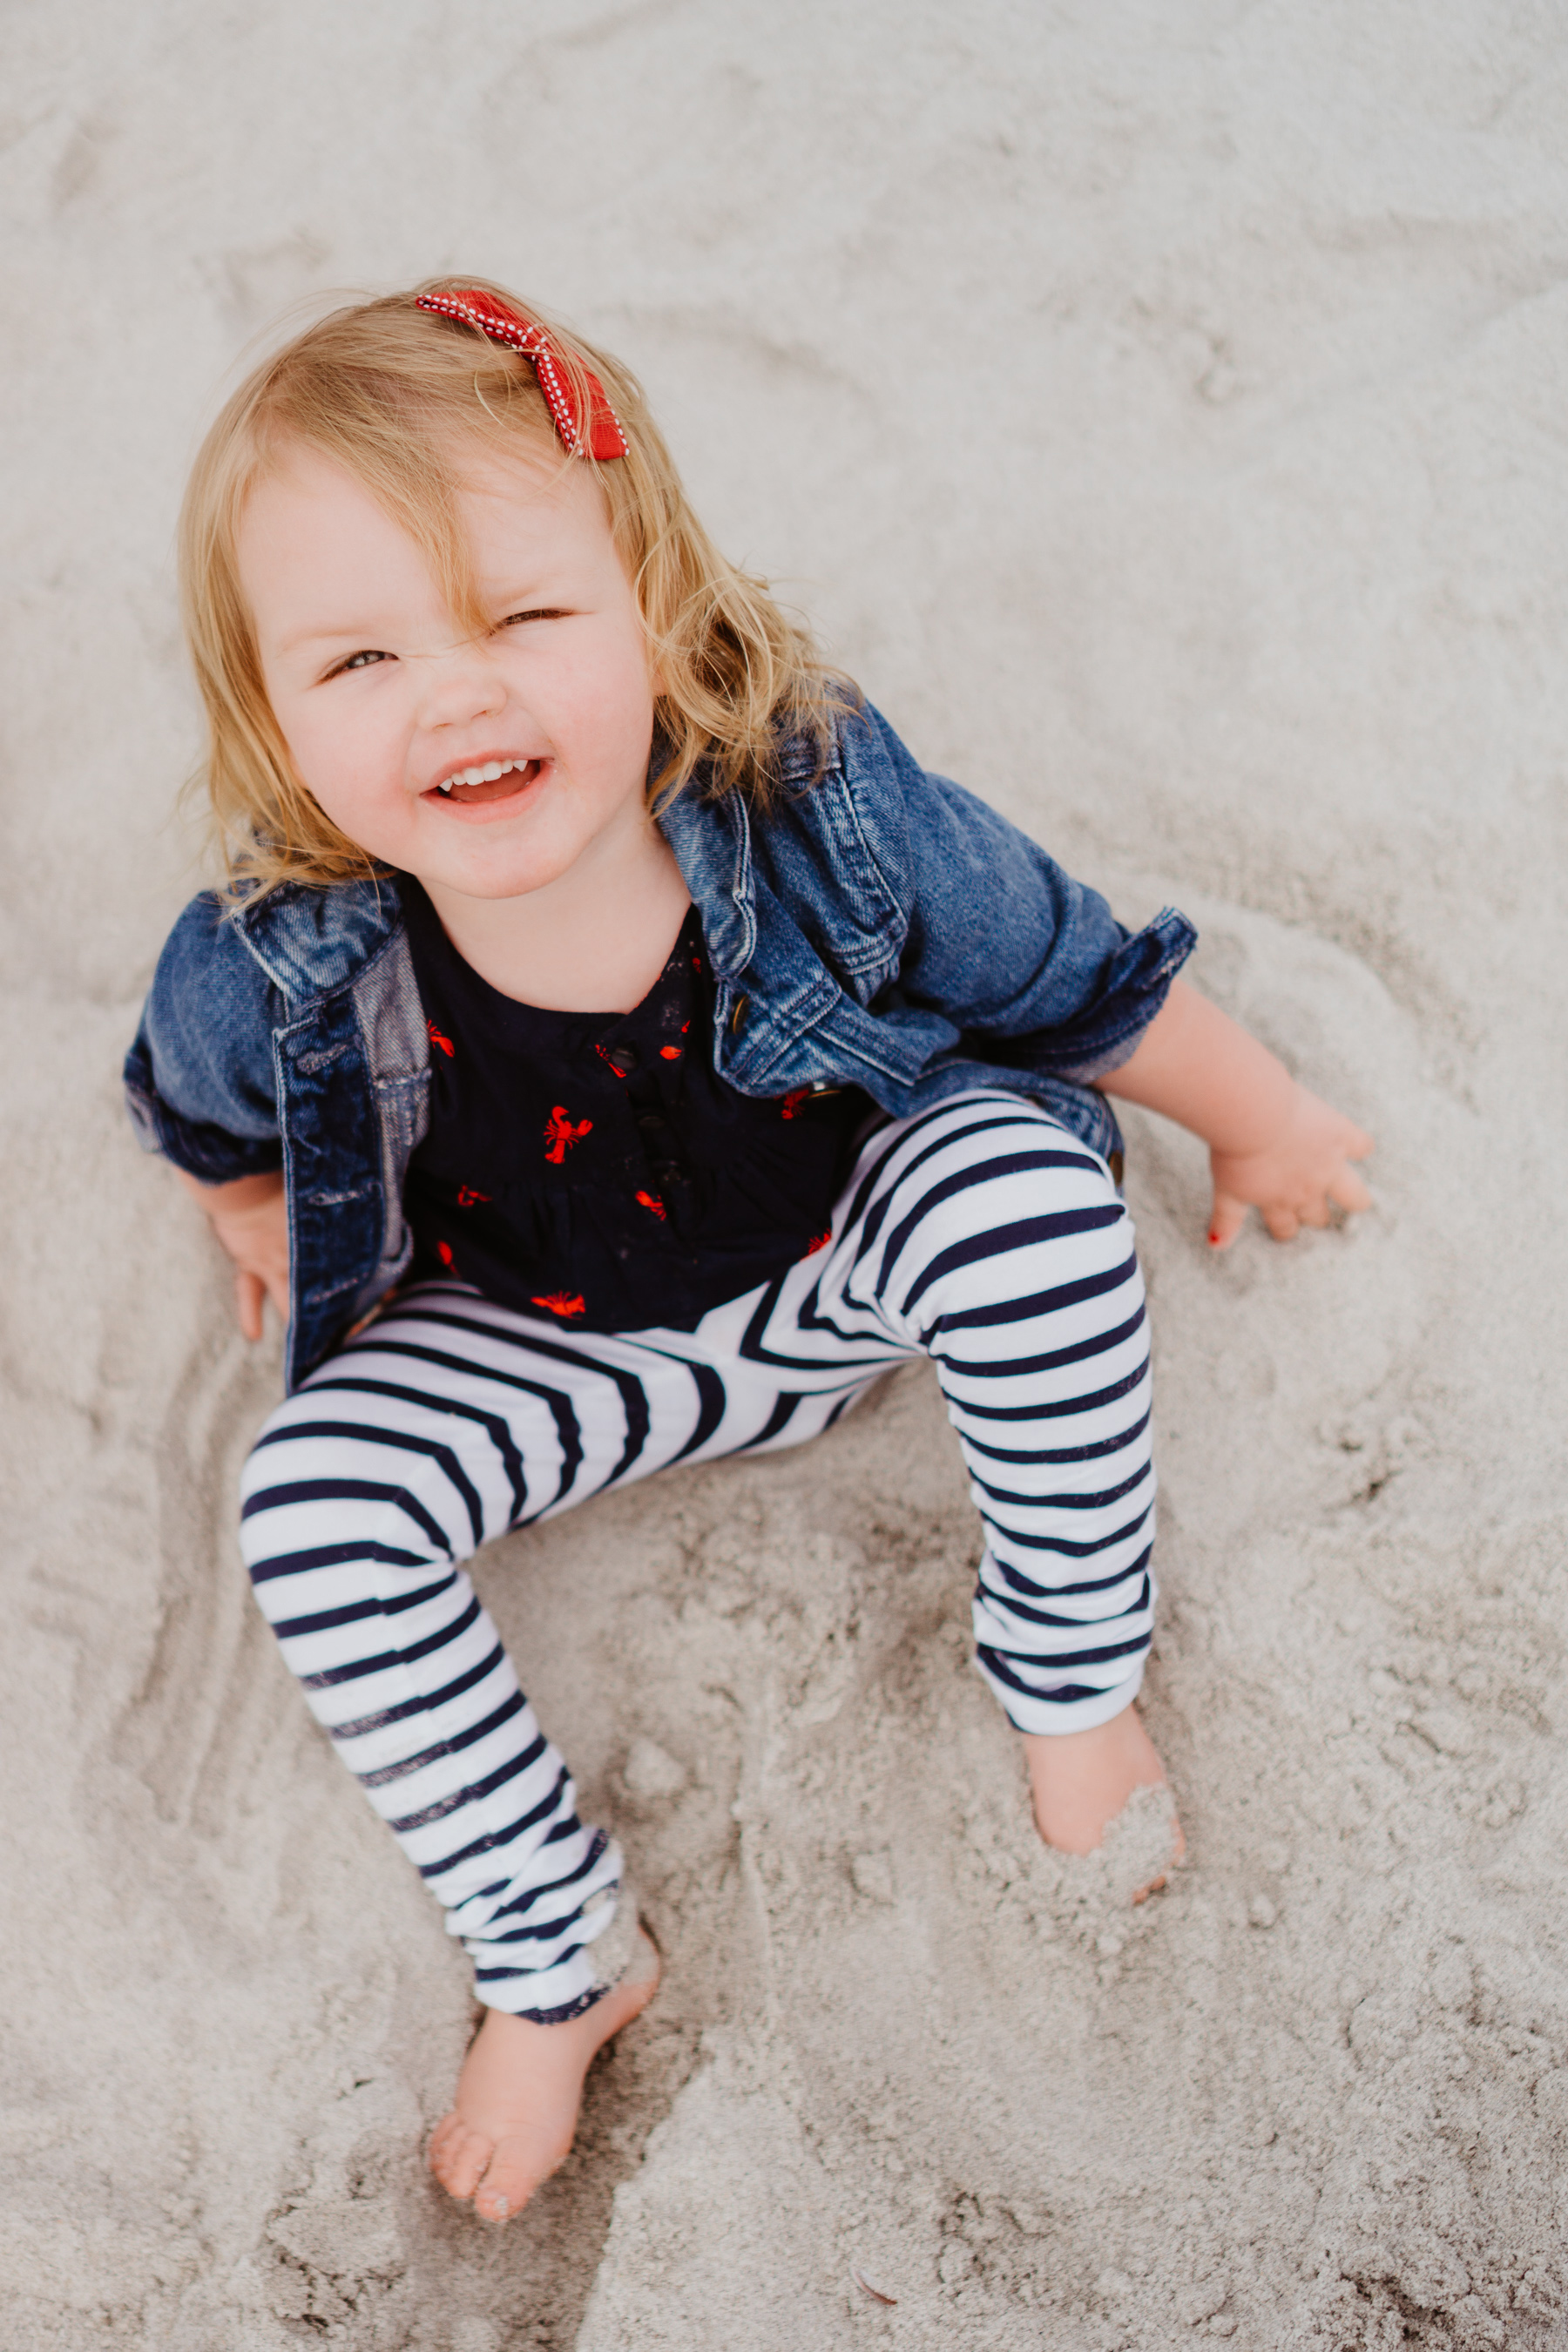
<point x="392" y="393"/>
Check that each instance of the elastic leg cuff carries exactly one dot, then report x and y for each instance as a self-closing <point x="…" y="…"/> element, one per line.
<point x="1083" y="1712"/>
<point x="553" y="1996"/>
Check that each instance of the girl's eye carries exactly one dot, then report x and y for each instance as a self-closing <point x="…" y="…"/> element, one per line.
<point x="534" y="613"/>
<point x="359" y="661"/>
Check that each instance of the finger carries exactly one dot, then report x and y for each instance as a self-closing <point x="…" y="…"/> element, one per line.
<point x="277" y="1291"/>
<point x="247" y="1298"/>
<point x="1283" y="1223"/>
<point x="1316" y="1212"/>
<point x="1348" y="1191"/>
<point x="1360" y="1145"/>
<point x="1226" y="1219"/>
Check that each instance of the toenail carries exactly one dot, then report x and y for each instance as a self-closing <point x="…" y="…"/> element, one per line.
<point x="499" y="2208"/>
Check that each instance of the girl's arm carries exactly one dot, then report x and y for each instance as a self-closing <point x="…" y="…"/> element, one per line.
<point x="1272" y="1145"/>
<point x="251" y="1220"/>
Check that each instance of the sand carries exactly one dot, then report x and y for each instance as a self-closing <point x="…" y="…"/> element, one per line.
<point x="1161" y="409"/>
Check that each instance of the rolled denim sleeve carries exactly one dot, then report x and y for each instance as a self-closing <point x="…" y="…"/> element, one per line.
<point x="1131" y="985"/>
<point x="1031" y="967"/>
<point x="198" y="1078"/>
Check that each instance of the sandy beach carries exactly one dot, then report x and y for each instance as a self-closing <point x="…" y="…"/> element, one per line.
<point x="1160" y="409"/>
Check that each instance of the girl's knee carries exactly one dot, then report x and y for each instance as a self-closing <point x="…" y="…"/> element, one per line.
<point x="322" y="1490"/>
<point x="1026" y="1182"/>
<point x="281" y="1454"/>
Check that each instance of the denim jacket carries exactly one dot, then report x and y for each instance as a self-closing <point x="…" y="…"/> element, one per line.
<point x="878" y="927"/>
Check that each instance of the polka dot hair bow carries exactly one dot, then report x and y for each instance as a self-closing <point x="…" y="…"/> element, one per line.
<point x="474" y="308"/>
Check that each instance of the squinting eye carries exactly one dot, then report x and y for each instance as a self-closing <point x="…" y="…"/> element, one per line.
<point x="359" y="661"/>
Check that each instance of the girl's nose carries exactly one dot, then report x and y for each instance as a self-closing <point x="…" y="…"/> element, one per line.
<point x="460" y="685"/>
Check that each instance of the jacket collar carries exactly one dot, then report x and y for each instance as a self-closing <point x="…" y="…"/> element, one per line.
<point x="712" y="838"/>
<point x="309" y="941"/>
<point x="712" y="846"/>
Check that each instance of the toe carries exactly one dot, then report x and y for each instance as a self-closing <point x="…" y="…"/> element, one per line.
<point x="520" y="2164"/>
<point x="458" y="2156"/>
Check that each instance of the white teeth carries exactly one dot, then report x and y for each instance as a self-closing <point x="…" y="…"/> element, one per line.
<point x="485" y="773"/>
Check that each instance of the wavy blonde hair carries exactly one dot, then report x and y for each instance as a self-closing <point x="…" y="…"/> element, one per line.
<point x="395" y="395"/>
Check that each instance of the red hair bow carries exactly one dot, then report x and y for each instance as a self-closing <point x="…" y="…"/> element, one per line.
<point x="604" y="438"/>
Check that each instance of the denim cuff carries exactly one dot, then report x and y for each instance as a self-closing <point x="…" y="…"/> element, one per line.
<point x="210" y="1154"/>
<point x="1135" y="987"/>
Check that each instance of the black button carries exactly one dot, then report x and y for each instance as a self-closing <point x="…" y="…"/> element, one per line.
<point x="622" y="1059"/>
<point x="651" y="1123"/>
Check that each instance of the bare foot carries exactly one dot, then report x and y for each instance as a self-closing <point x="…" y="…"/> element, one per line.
<point x="515" y="2115"/>
<point x="1081" y="1779"/>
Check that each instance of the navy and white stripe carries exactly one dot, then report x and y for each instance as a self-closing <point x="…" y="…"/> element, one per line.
<point x="980" y="1234"/>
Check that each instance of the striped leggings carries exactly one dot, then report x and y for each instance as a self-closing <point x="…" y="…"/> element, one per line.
<point x="980" y="1234"/>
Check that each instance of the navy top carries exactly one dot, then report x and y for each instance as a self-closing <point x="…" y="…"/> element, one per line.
<point x="595" y="1165"/>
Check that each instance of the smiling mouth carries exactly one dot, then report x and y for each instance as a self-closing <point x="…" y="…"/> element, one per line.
<point x="487" y="779"/>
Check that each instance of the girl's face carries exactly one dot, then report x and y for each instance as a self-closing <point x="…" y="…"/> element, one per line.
<point x="397" y="724"/>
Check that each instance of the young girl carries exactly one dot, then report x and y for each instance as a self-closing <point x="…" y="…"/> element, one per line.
<point x="612" y="1050"/>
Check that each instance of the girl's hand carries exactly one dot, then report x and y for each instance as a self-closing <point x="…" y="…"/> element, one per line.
<point x="1301" y="1172"/>
<point x="1272" y="1146"/>
<point x="250" y="1219"/>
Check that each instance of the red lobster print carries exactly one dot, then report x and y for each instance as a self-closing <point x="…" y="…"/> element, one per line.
<point x="558" y="1131"/>
<point x="790" y="1104"/>
<point x="651" y="1200"/>
<point x="564" y="1302"/>
<point x="819" y="1243"/>
<point x="445" y="1043"/>
<point x="466" y="1196"/>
